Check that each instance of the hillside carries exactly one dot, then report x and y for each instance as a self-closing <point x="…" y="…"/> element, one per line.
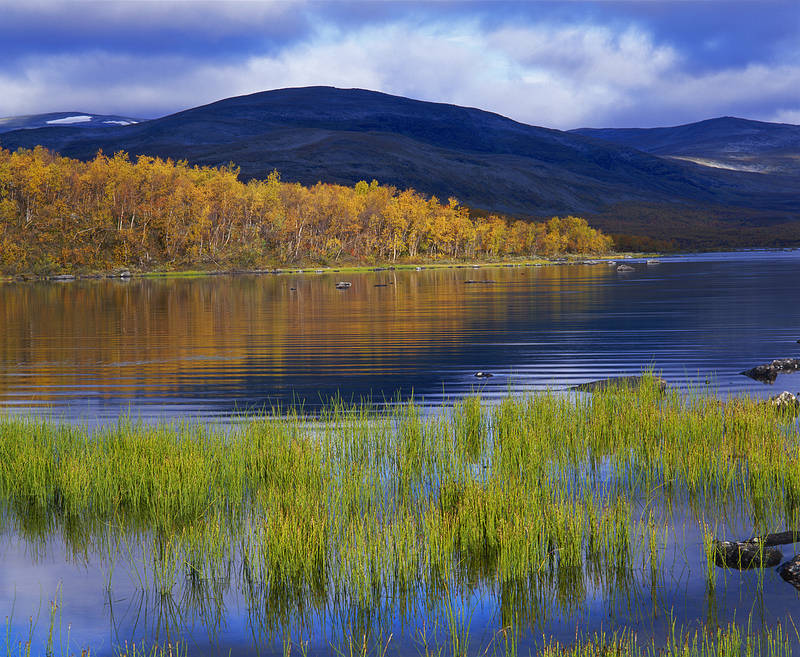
<point x="64" y="119"/>
<point x="726" y="142"/>
<point x="485" y="160"/>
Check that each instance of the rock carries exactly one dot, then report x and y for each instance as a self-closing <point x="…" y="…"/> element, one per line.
<point x="786" y="398"/>
<point x="483" y="375"/>
<point x="343" y="285"/>
<point x="790" y="571"/>
<point x="625" y="268"/>
<point x="744" y="555"/>
<point x="785" y="402"/>
<point x="653" y="262"/>
<point x="62" y="277"/>
<point x="769" y="372"/>
<point x="618" y="382"/>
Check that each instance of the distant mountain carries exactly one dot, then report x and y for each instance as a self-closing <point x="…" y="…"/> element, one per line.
<point x="727" y="143"/>
<point x="62" y="119"/>
<point x="485" y="160"/>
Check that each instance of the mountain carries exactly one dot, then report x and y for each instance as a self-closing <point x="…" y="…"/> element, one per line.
<point x="62" y="119"/>
<point x="726" y="143"/>
<point x="487" y="161"/>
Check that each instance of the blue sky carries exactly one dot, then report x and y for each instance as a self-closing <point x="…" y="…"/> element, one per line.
<point x="559" y="64"/>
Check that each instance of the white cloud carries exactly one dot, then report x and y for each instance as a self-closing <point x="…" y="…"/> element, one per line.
<point x="786" y="116"/>
<point x="562" y="76"/>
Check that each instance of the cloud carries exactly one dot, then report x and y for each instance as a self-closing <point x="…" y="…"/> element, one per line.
<point x="548" y="69"/>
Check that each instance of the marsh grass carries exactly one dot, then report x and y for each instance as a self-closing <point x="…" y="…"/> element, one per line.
<point x="539" y="497"/>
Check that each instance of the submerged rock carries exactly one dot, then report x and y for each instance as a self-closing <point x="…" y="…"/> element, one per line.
<point x="790" y="571"/>
<point x="619" y="382"/>
<point x="769" y="372"/>
<point x="744" y="555"/>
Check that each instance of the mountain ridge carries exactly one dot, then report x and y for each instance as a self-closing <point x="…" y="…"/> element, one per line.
<point x="487" y="161"/>
<point x="724" y="142"/>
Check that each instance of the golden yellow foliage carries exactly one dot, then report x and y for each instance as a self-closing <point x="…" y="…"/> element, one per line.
<point x="61" y="214"/>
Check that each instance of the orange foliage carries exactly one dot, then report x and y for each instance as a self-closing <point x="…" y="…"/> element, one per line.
<point x="60" y="214"/>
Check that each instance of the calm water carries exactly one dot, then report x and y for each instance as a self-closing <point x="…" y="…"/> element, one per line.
<point x="210" y="346"/>
<point x="157" y="349"/>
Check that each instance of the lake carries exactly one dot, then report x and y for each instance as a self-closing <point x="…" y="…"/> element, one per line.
<point x="207" y="349"/>
<point x="155" y="349"/>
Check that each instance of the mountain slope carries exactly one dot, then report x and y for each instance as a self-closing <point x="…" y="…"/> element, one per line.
<point x="726" y="142"/>
<point x="62" y="119"/>
<point x="485" y="160"/>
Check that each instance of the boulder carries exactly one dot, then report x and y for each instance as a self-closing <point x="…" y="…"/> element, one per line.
<point x="768" y="372"/>
<point x="625" y="268"/>
<point x="790" y="571"/>
<point x="785" y="401"/>
<point x="744" y="555"/>
<point x="343" y="285"/>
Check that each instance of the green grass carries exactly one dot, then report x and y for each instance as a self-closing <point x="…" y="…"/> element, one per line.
<point x="539" y="496"/>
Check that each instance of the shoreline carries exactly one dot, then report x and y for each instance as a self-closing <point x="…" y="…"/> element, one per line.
<point x="126" y="274"/>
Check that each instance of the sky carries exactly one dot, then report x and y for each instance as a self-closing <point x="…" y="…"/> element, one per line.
<point x="564" y="64"/>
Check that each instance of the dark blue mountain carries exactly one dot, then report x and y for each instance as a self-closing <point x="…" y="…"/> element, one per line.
<point x="485" y="160"/>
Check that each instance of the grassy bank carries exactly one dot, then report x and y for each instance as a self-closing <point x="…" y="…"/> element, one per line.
<point x="538" y="498"/>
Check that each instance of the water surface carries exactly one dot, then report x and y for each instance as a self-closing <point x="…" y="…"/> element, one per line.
<point x="160" y="348"/>
<point x="90" y="351"/>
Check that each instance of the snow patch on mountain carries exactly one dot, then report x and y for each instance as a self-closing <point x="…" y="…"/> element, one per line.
<point x="82" y="118"/>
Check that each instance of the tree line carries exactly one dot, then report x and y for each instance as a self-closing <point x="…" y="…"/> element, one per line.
<point x="62" y="214"/>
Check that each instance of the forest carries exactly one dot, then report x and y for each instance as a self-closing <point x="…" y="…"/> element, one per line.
<point x="59" y="214"/>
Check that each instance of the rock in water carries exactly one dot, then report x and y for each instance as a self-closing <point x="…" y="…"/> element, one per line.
<point x="790" y="571"/>
<point x="769" y="372"/>
<point x="624" y="268"/>
<point x="744" y="555"/>
<point x="343" y="285"/>
<point x="483" y="375"/>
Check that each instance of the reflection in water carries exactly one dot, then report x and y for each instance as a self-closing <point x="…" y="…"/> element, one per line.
<point x="160" y="348"/>
<point x="117" y="598"/>
<point x="209" y="346"/>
